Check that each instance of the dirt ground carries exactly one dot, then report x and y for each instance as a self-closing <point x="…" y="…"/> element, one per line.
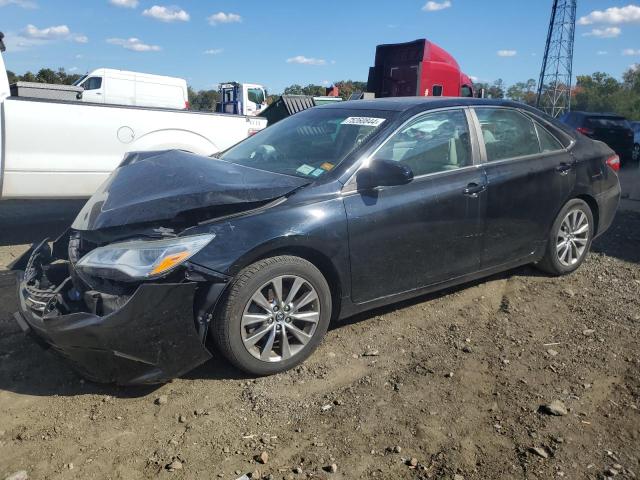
<point x="448" y="386"/>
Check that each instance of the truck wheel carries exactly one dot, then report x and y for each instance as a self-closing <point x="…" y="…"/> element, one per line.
<point x="273" y="317"/>
<point x="569" y="240"/>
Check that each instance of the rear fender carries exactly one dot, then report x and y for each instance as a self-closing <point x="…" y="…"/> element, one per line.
<point x="175" y="139"/>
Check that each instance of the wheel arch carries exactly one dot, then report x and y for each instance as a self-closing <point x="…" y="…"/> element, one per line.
<point x="175" y="138"/>
<point x="595" y="211"/>
<point x="318" y="259"/>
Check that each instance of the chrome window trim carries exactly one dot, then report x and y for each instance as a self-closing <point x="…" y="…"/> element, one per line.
<point x="351" y="186"/>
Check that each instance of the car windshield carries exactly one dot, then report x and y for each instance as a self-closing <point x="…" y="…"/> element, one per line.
<point x="308" y="144"/>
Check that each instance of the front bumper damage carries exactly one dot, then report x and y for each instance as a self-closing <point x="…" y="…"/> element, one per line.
<point x="145" y="338"/>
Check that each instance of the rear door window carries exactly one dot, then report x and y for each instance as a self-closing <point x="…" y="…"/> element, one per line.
<point x="507" y="133"/>
<point x="548" y="143"/>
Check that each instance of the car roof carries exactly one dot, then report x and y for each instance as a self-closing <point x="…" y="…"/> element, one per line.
<point x="401" y="104"/>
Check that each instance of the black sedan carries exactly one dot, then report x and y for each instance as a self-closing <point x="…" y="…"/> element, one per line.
<point x="611" y="129"/>
<point x="336" y="210"/>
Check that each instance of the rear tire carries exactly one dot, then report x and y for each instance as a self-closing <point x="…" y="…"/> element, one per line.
<point x="569" y="240"/>
<point x="274" y="316"/>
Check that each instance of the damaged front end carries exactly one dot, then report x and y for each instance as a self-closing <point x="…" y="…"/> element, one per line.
<point x="118" y="294"/>
<point x="115" y="331"/>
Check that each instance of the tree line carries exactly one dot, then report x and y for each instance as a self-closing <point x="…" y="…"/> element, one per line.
<point x="598" y="92"/>
<point x="45" y="75"/>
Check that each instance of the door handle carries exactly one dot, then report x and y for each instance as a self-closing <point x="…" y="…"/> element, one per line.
<point x="473" y="189"/>
<point x="564" y="168"/>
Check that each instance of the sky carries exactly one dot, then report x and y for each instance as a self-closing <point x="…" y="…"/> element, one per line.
<point x="281" y="42"/>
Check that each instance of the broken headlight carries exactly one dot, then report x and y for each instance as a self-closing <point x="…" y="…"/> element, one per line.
<point x="140" y="259"/>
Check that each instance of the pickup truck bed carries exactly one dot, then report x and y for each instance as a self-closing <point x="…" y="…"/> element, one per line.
<point x="59" y="149"/>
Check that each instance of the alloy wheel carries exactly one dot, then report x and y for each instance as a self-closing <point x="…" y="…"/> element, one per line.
<point x="280" y="318"/>
<point x="572" y="238"/>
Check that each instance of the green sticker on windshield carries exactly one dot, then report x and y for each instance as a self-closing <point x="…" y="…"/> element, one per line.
<point x="317" y="172"/>
<point x="305" y="169"/>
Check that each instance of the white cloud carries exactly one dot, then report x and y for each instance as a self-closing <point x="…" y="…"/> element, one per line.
<point x="602" y="52"/>
<point x="507" y="53"/>
<point x="124" y="3"/>
<point x="629" y="52"/>
<point x="36" y="35"/>
<point x="302" y="60"/>
<point x="133" y="44"/>
<point x="49" y="33"/>
<point x="32" y="36"/>
<point x="167" y="14"/>
<point x="213" y="51"/>
<point x="431" y="6"/>
<point x="221" y="17"/>
<point x="19" y="3"/>
<point x="73" y="69"/>
<point x="613" y="16"/>
<point x="607" y="32"/>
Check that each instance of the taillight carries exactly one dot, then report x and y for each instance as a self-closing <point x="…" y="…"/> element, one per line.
<point x="614" y="162"/>
<point x="187" y="105"/>
<point x="585" y="130"/>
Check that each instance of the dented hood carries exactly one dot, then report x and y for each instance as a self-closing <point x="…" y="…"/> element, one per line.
<point x="153" y="186"/>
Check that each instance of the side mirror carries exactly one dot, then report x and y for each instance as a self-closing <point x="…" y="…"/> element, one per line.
<point x="383" y="173"/>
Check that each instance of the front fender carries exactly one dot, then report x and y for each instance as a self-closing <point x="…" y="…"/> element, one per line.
<point x="319" y="229"/>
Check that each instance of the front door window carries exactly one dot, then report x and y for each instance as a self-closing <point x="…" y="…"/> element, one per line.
<point x="433" y="143"/>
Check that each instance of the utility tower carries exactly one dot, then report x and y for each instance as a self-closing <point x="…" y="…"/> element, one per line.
<point x="554" y="87"/>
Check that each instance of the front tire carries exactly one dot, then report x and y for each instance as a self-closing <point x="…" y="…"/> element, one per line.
<point x="569" y="240"/>
<point x="274" y="316"/>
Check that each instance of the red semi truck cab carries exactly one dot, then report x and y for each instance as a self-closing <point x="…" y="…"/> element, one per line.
<point x="420" y="68"/>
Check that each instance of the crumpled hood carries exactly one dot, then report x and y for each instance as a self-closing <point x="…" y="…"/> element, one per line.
<point x="152" y="186"/>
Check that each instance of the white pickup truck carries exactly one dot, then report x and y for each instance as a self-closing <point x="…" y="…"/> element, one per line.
<point x="63" y="149"/>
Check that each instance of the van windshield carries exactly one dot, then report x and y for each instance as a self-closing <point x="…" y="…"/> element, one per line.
<point x="309" y="144"/>
<point x="79" y="81"/>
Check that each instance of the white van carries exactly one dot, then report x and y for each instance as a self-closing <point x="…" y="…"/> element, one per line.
<point x="119" y="87"/>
